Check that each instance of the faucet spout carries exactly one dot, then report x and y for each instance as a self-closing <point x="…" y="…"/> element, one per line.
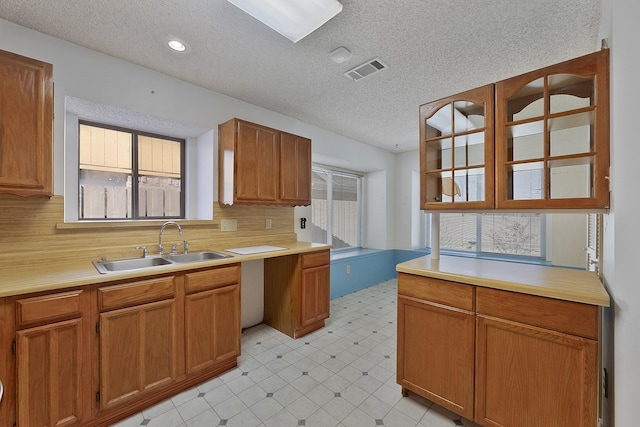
<point x="160" y="248"/>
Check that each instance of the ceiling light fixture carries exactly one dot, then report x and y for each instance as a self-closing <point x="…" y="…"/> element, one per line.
<point x="340" y="55"/>
<point x="294" y="19"/>
<point x="177" y="45"/>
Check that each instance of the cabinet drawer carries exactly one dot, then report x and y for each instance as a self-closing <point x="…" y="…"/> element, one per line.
<point x="134" y="293"/>
<point x="210" y="279"/>
<point x="48" y="308"/>
<point x="315" y="258"/>
<point x="435" y="290"/>
<point x="549" y="313"/>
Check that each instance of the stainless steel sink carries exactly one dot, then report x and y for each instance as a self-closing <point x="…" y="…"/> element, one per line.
<point x="196" y="256"/>
<point x="103" y="266"/>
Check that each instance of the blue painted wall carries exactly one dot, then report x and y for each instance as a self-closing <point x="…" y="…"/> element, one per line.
<point x="367" y="267"/>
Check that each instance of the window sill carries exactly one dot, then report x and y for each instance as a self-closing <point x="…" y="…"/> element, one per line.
<point x="150" y="223"/>
<point x="494" y="257"/>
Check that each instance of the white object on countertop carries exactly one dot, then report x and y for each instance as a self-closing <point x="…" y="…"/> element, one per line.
<point x="254" y="249"/>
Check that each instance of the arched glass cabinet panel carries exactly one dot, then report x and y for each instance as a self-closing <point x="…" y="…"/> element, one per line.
<point x="552" y="136"/>
<point x="456" y="151"/>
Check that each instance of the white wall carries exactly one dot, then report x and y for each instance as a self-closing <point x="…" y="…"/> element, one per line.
<point x="407" y="164"/>
<point x="91" y="76"/>
<point x="622" y="234"/>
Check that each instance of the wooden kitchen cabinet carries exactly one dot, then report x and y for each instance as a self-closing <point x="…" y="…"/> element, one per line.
<point x="297" y="290"/>
<point x="96" y="354"/>
<point x="500" y="358"/>
<point x="212" y="318"/>
<point x="295" y="169"/>
<point x="456" y="151"/>
<point x="552" y="136"/>
<point x="26" y="126"/>
<point x="53" y="370"/>
<point x="535" y="141"/>
<point x="260" y="165"/>
<point x="314" y="289"/>
<point x="138" y="339"/>
<point x="537" y="360"/>
<point x="436" y="341"/>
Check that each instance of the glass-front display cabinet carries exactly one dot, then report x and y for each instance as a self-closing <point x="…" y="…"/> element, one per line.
<point x="457" y="152"/>
<point x="552" y="136"/>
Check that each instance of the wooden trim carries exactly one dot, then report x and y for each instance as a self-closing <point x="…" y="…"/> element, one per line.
<point x="127" y="224"/>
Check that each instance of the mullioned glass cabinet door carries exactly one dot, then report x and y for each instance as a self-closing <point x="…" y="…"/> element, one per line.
<point x="457" y="151"/>
<point x="552" y="136"/>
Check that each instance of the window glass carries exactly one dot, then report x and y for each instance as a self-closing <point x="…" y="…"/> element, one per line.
<point x="336" y="205"/>
<point x="520" y="234"/>
<point x="319" y="207"/>
<point x="108" y="170"/>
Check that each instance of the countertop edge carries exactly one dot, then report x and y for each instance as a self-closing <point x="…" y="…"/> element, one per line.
<point x="594" y="293"/>
<point x="82" y="273"/>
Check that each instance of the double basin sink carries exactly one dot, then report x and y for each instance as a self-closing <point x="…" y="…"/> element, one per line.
<point x="103" y="266"/>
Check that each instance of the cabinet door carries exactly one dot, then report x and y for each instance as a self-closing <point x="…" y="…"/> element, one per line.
<point x="314" y="294"/>
<point x="456" y="151"/>
<point x="212" y="327"/>
<point x="435" y="353"/>
<point x="137" y="351"/>
<point x="26" y="123"/>
<point x="51" y="375"/>
<point x="256" y="163"/>
<point x="552" y="136"/>
<point x="295" y="169"/>
<point x="533" y="377"/>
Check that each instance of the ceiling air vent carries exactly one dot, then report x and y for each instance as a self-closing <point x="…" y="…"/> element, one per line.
<point x="366" y="69"/>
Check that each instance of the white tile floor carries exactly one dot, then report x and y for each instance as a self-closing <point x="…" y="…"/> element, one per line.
<point x="342" y="375"/>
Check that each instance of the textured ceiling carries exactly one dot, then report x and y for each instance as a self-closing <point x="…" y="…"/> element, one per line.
<point x="434" y="48"/>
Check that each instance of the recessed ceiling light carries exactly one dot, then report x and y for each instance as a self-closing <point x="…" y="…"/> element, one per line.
<point x="177" y="45"/>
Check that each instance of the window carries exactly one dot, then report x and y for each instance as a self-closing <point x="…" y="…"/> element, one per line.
<point x="336" y="208"/>
<point x="512" y="234"/>
<point x="112" y="159"/>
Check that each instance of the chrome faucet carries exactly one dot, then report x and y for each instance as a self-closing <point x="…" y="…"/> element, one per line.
<point x="160" y="248"/>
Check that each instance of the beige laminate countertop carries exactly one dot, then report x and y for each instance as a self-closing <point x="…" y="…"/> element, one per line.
<point x="38" y="278"/>
<point x="553" y="282"/>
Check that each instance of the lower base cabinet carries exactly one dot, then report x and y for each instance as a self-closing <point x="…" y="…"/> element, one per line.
<point x="212" y="318"/>
<point x="50" y="375"/>
<point x="137" y="351"/>
<point x="437" y="357"/>
<point x="500" y="358"/>
<point x="52" y="368"/>
<point x="94" y="355"/>
<point x="297" y="292"/>
<point x="526" y="373"/>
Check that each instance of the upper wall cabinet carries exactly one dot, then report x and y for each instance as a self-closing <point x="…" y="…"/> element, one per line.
<point x="552" y="136"/>
<point x="456" y="151"/>
<point x="26" y="126"/>
<point x="260" y="165"/>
